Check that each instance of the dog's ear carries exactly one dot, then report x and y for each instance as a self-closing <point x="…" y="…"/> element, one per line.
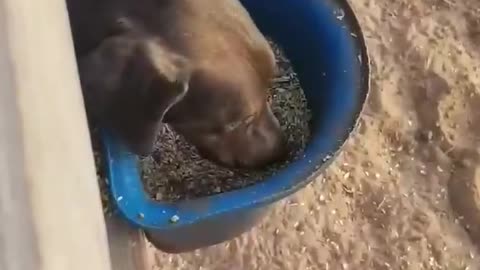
<point x="129" y="84"/>
<point x="170" y="78"/>
<point x="136" y="68"/>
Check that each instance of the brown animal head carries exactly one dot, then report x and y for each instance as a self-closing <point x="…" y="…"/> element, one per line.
<point x="227" y="117"/>
<point x="205" y="76"/>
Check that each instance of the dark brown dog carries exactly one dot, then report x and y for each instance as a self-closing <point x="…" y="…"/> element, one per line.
<point x="200" y="65"/>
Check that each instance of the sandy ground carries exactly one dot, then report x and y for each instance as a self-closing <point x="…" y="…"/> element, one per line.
<point x="402" y="195"/>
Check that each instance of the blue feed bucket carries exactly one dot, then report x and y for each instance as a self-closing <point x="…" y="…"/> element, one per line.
<point x="325" y="45"/>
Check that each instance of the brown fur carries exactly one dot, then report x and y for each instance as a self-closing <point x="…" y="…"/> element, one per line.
<point x="200" y="65"/>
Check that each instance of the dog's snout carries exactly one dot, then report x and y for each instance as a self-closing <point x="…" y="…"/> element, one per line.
<point x="266" y="145"/>
<point x="262" y="144"/>
<point x="256" y="145"/>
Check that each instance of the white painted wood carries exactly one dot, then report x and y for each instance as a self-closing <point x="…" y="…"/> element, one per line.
<point x="50" y="210"/>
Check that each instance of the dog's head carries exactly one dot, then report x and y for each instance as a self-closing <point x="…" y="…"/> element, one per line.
<point x="227" y="117"/>
<point x="131" y="83"/>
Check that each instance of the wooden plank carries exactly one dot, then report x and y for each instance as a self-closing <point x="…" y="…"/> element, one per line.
<point x="18" y="248"/>
<point x="50" y="210"/>
<point x="127" y="246"/>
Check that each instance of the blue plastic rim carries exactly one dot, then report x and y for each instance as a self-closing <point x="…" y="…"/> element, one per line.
<point x="325" y="45"/>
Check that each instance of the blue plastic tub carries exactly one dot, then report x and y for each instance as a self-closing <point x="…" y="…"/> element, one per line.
<point x="324" y="42"/>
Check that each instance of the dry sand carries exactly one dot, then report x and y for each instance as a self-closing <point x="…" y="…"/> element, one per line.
<point x="402" y="195"/>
